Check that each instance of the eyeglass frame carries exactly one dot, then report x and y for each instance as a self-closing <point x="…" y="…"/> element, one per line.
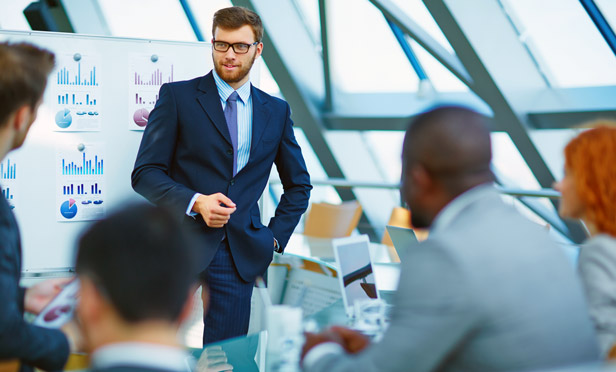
<point x="232" y="46"/>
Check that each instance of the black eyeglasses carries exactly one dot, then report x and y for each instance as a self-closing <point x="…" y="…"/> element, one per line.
<point x="238" y="48"/>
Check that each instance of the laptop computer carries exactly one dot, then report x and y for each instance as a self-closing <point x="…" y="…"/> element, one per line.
<point x="355" y="273"/>
<point x="403" y="240"/>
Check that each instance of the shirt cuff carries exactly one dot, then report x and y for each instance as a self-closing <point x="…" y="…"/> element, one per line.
<point x="319" y="352"/>
<point x="189" y="211"/>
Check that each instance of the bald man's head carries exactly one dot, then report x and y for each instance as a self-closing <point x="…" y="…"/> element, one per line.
<point x="451" y="146"/>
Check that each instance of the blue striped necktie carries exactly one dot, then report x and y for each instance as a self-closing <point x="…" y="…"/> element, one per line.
<point x="231" y="117"/>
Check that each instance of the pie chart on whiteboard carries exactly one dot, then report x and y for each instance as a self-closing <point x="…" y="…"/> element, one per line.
<point x="68" y="209"/>
<point x="141" y="117"/>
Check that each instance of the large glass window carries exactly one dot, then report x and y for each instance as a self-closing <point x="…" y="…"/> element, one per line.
<point x="417" y="11"/>
<point x="565" y="42"/>
<point x="203" y="12"/>
<point x="365" y="56"/>
<point x="12" y="15"/>
<point x="148" y="19"/>
<point x="356" y="156"/>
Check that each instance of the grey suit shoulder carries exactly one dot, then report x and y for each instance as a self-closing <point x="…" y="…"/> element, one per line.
<point x="491" y="291"/>
<point x="597" y="269"/>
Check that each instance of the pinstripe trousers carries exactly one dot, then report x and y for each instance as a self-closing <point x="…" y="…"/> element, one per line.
<point x="228" y="310"/>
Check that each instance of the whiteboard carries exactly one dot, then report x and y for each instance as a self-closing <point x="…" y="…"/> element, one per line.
<point x="100" y="81"/>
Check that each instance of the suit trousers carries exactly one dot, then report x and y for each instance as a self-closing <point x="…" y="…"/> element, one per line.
<point x="228" y="312"/>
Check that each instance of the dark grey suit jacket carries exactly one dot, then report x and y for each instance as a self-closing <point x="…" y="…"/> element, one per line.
<point x="489" y="292"/>
<point x="33" y="346"/>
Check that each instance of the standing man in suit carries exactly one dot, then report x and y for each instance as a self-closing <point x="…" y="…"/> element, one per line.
<point x="133" y="298"/>
<point x="23" y="77"/>
<point x="207" y="153"/>
<point x="487" y="291"/>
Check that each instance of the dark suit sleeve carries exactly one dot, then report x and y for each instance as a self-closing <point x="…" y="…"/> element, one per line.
<point x="40" y="347"/>
<point x="152" y="174"/>
<point x="433" y="313"/>
<point x="295" y="182"/>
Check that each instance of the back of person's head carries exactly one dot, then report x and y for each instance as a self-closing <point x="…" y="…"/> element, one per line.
<point x="590" y="158"/>
<point x="452" y="144"/>
<point x="23" y="76"/>
<point x="141" y="261"/>
<point x="236" y="17"/>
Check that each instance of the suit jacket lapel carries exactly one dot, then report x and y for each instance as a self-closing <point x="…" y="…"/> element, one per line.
<point x="210" y="101"/>
<point x="260" y="117"/>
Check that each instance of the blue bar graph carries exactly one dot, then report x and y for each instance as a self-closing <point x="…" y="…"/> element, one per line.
<point x="80" y="189"/>
<point x="85" y="168"/>
<point x="7" y="194"/>
<point x="8" y="171"/>
<point x="65" y="99"/>
<point x="88" y="79"/>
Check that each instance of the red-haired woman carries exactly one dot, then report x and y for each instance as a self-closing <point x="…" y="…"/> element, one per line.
<point x="589" y="193"/>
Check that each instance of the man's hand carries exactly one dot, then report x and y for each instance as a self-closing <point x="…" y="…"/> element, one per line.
<point x="216" y="209"/>
<point x="314" y="339"/>
<point x="40" y="294"/>
<point x="352" y="341"/>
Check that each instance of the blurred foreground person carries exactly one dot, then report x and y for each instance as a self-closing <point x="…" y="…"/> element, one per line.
<point x="487" y="291"/>
<point x="23" y="77"/>
<point x="133" y="298"/>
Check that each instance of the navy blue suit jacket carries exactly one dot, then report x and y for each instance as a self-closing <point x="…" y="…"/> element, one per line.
<point x="33" y="346"/>
<point x="186" y="148"/>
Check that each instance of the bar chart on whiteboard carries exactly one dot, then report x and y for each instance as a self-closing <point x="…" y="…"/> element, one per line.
<point x="80" y="187"/>
<point x="76" y="85"/>
<point x="8" y="180"/>
<point x="146" y="74"/>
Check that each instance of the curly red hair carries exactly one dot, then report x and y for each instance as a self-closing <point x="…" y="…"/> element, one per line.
<point x="591" y="159"/>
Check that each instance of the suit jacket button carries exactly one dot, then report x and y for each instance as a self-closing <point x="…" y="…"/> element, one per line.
<point x="232" y="182"/>
<point x="230" y="152"/>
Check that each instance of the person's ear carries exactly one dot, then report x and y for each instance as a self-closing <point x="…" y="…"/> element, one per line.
<point x="91" y="301"/>
<point x="22" y="118"/>
<point x="421" y="177"/>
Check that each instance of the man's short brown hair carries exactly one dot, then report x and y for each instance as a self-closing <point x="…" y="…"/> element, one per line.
<point x="23" y="76"/>
<point x="235" y="17"/>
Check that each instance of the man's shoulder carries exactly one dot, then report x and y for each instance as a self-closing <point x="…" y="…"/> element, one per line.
<point x="186" y="83"/>
<point x="266" y="97"/>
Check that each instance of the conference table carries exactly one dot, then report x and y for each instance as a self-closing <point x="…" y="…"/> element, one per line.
<point x="320" y="250"/>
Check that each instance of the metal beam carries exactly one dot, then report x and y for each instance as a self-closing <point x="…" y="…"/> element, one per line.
<point x="486" y="87"/>
<point x="191" y="19"/>
<point x="393" y="13"/>
<point x="306" y="113"/>
<point x="599" y="20"/>
<point x="327" y="102"/>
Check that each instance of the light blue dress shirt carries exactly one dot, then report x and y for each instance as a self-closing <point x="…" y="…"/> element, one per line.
<point x="244" y="124"/>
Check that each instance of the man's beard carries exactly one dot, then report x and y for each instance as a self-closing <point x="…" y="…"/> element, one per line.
<point x="237" y="76"/>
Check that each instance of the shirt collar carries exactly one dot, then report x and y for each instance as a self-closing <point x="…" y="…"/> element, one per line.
<point x="452" y="210"/>
<point x="142" y="355"/>
<point x="225" y="90"/>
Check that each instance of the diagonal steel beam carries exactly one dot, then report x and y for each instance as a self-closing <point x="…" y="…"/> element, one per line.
<point x="306" y="114"/>
<point x="486" y="87"/>
<point x="328" y="100"/>
<point x="393" y="13"/>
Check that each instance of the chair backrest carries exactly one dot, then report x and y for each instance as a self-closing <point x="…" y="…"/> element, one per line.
<point x="9" y="365"/>
<point x="325" y="220"/>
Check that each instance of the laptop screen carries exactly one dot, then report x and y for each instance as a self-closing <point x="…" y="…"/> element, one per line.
<point x="356" y="277"/>
<point x="403" y="240"/>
